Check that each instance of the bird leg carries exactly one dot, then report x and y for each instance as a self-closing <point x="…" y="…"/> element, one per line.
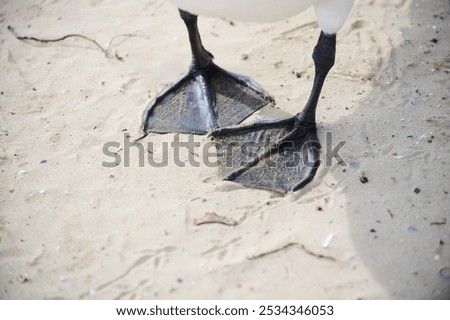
<point x="324" y="57"/>
<point x="201" y="58"/>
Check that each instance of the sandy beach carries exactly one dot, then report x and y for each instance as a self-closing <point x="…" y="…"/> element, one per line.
<point x="72" y="227"/>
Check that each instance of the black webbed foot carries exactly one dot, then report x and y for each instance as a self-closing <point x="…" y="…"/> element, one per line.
<point x="207" y="98"/>
<point x="204" y="100"/>
<point x="281" y="155"/>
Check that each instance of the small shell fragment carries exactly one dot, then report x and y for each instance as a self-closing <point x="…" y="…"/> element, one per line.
<point x="212" y="217"/>
<point x="328" y="241"/>
<point x="444" y="273"/>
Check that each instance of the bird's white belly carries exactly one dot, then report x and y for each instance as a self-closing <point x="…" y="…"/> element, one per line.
<point x="246" y="10"/>
<point x="331" y="14"/>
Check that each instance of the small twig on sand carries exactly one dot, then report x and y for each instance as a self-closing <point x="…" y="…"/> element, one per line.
<point x="106" y="51"/>
<point x="293" y="244"/>
<point x="320" y="256"/>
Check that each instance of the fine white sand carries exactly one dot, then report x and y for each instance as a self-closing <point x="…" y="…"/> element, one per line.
<point x="71" y="228"/>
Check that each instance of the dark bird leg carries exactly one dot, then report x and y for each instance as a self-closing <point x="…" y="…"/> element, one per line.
<point x="278" y="155"/>
<point x="205" y="99"/>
